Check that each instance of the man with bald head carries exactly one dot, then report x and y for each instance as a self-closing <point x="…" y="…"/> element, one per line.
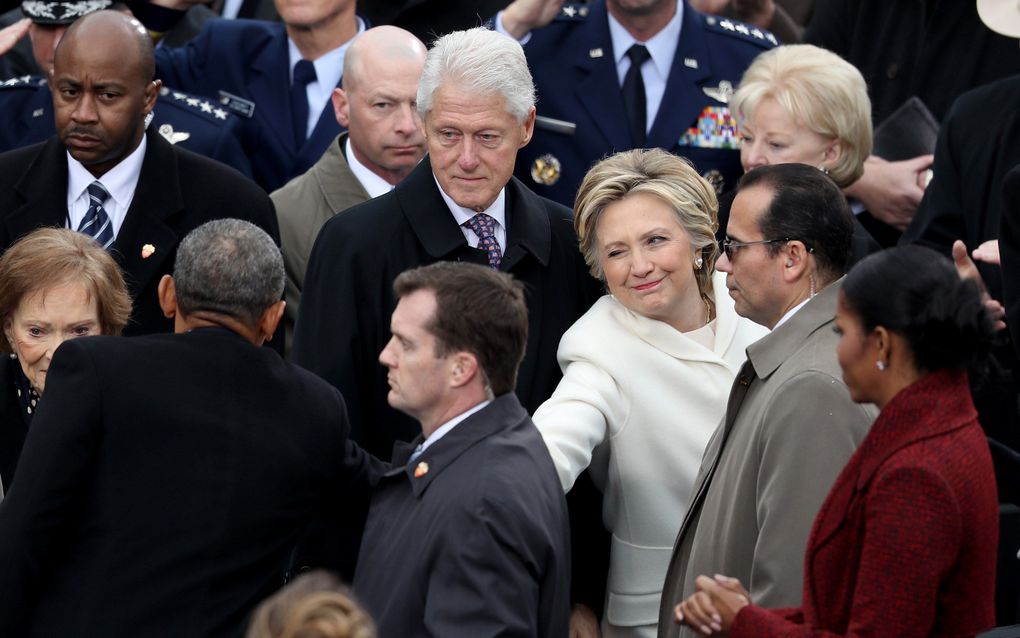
<point x="383" y="142"/>
<point x="104" y="175"/>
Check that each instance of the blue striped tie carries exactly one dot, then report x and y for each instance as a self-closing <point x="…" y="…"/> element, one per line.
<point x="96" y="223"/>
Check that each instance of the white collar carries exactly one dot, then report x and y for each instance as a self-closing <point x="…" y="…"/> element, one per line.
<point x="372" y="183"/>
<point x="443" y="429"/>
<point x="120" y="181"/>
<point x="662" y="46"/>
<point x="329" y="67"/>
<point x="496" y="210"/>
<point x="791" y="312"/>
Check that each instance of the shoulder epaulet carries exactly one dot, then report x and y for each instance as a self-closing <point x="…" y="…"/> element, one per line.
<point x="572" y="12"/>
<point x="23" y="82"/>
<point x="741" y="30"/>
<point x="200" y="106"/>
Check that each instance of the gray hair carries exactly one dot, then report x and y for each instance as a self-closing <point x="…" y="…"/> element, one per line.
<point x="231" y="267"/>
<point x="482" y="61"/>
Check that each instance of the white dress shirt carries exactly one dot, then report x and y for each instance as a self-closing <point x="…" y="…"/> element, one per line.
<point x="329" y="68"/>
<point x="372" y="183"/>
<point x="496" y="210"/>
<point x="120" y="181"/>
<point x="790" y="313"/>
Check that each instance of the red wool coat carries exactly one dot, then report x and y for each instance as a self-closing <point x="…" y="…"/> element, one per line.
<point x="905" y="543"/>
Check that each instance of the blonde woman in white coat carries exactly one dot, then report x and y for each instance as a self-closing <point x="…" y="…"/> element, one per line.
<point x="647" y="370"/>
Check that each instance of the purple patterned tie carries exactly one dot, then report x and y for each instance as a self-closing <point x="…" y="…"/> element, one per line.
<point x="485" y="227"/>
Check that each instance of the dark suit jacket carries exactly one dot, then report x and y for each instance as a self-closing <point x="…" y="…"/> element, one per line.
<point x="470" y="539"/>
<point x="249" y="60"/>
<point x="348" y="297"/>
<point x="1009" y="248"/>
<point x="13" y="421"/>
<point x="905" y="542"/>
<point x="573" y="63"/>
<point x="177" y="191"/>
<point x="163" y="482"/>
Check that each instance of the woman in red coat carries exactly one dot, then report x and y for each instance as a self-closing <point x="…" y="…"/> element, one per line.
<point x="905" y="543"/>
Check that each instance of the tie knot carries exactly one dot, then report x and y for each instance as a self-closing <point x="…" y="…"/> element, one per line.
<point x="483" y="225"/>
<point x="638" y="54"/>
<point x="304" y="73"/>
<point x="98" y="193"/>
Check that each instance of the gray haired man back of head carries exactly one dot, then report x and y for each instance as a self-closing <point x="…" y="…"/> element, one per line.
<point x="228" y="272"/>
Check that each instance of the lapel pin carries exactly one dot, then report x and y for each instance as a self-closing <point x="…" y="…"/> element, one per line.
<point x="37" y="113"/>
<point x="147" y="251"/>
<point x="690" y="63"/>
<point x="595" y="53"/>
<point x="421" y="470"/>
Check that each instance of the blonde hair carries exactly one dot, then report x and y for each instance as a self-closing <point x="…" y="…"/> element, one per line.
<point x="315" y="605"/>
<point x="820" y="91"/>
<point x="49" y="257"/>
<point x="664" y="176"/>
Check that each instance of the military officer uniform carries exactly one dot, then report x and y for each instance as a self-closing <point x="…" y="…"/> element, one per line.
<point x="197" y="124"/>
<point x="581" y="112"/>
<point x="245" y="64"/>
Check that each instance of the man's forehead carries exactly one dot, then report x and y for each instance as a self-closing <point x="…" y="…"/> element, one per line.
<point x="745" y="212"/>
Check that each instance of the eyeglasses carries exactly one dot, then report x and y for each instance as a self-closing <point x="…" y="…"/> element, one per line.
<point x="729" y="247"/>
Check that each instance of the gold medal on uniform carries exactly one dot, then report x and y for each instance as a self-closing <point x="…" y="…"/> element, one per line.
<point x="546" y="170"/>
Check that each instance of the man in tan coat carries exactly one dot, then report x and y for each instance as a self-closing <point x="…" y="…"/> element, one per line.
<point x="381" y="146"/>
<point x="790" y="424"/>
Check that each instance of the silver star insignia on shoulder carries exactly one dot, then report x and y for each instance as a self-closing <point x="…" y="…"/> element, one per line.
<point x="726" y="24"/>
<point x="771" y="38"/>
<point x="206" y="107"/>
<point x="179" y="96"/>
<point x="758" y="34"/>
<point x="192" y="101"/>
<point x="570" y="11"/>
<point x="220" y="114"/>
<point x="741" y="28"/>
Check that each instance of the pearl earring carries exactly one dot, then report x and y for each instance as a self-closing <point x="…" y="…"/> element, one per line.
<point x="880" y="365"/>
<point x="698" y="263"/>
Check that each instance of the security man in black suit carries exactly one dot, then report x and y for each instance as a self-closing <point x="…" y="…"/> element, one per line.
<point x="155" y="193"/>
<point x="593" y="100"/>
<point x="26" y="102"/>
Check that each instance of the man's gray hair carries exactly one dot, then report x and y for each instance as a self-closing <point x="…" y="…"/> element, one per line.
<point x="231" y="267"/>
<point x="481" y="61"/>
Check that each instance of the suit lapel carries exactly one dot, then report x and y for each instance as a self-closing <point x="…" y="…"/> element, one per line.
<point x="528" y="228"/>
<point x="683" y="99"/>
<point x="270" y="88"/>
<point x="427" y="213"/>
<point x="326" y="128"/>
<point x="741" y="385"/>
<point x="42" y="191"/>
<point x="599" y="93"/>
<point x="157" y="197"/>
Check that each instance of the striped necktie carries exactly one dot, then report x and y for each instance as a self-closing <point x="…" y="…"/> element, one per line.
<point x="96" y="223"/>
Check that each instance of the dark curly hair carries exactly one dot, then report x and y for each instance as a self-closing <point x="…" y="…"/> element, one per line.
<point x="917" y="293"/>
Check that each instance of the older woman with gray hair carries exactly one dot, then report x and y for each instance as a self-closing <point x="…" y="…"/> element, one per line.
<point x="646" y="371"/>
<point x="55" y="284"/>
<point x="805" y="105"/>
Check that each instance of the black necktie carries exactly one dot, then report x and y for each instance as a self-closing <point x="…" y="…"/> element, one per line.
<point x="304" y="74"/>
<point x="634" y="94"/>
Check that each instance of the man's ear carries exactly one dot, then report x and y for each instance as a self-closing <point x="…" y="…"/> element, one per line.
<point x="795" y="260"/>
<point x="151" y="93"/>
<point x="270" y="319"/>
<point x="342" y="107"/>
<point x="167" y="292"/>
<point x="464" y="368"/>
